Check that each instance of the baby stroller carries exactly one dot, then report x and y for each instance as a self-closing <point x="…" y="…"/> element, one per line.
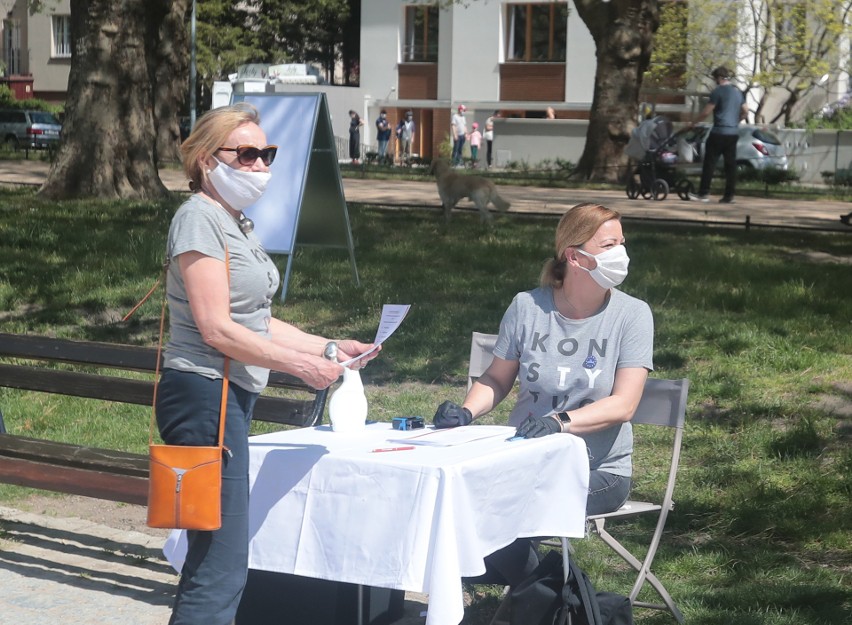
<point x="646" y="143"/>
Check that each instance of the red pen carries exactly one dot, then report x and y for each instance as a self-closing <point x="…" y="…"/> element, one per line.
<point x="375" y="451"/>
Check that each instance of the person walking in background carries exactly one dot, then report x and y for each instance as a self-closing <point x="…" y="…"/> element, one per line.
<point x="220" y="286"/>
<point x="355" y="123"/>
<point x="475" y="142"/>
<point x="729" y="108"/>
<point x="489" y="137"/>
<point x="383" y="134"/>
<point x="405" y="137"/>
<point x="459" y="131"/>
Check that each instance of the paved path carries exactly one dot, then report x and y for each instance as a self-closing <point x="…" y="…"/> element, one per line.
<point x="761" y="211"/>
<point x="58" y="571"/>
<point x="784" y="212"/>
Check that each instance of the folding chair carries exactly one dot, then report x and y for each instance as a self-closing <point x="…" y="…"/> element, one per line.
<point x="663" y="403"/>
<point x="481" y="355"/>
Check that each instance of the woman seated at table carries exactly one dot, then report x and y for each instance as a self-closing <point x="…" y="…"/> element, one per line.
<point x="581" y="350"/>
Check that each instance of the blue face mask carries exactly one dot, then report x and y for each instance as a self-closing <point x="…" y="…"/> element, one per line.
<point x="611" y="269"/>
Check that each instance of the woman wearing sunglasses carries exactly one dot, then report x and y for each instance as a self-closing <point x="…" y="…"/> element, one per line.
<point x="220" y="286"/>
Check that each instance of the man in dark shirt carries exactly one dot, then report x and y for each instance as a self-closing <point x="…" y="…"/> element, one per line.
<point x="383" y="134"/>
<point x="728" y="107"/>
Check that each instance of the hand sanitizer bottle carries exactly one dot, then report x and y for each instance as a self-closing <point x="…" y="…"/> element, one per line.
<point x="347" y="408"/>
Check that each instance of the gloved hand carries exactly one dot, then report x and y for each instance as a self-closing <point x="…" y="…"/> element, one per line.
<point x="450" y="415"/>
<point x="534" y="427"/>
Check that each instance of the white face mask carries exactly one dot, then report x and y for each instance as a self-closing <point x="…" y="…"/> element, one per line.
<point x="240" y="189"/>
<point x="611" y="267"/>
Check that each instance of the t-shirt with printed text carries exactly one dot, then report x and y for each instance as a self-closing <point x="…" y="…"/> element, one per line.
<point x="564" y="364"/>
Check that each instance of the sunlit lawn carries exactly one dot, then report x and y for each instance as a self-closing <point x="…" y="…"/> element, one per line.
<point x="762" y="327"/>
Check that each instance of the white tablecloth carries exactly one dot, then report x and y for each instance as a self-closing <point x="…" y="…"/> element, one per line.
<point x="324" y="505"/>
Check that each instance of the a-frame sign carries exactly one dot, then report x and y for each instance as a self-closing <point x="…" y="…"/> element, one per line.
<point x="304" y="202"/>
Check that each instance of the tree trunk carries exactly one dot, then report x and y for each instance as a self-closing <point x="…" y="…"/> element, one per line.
<point x="108" y="137"/>
<point x="170" y="72"/>
<point x="623" y="31"/>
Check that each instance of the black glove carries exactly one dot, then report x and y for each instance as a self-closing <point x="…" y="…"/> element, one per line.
<point x="450" y="415"/>
<point x="534" y="427"/>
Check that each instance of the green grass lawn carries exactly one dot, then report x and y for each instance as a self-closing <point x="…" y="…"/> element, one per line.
<point x="760" y="321"/>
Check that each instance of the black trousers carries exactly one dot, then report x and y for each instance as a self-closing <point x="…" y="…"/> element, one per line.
<point x="726" y="147"/>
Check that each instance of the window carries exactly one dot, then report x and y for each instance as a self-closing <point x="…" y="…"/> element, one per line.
<point x="12" y="47"/>
<point x="536" y="33"/>
<point x="421" y="34"/>
<point x="61" y="36"/>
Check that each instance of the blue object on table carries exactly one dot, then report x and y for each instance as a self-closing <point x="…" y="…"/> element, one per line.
<point x="408" y="423"/>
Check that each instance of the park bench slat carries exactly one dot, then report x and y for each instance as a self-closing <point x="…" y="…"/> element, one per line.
<point x="89" y="352"/>
<point x="282" y="410"/>
<point x="98" y="484"/>
<point x="65" y="454"/>
<point x="133" y="357"/>
<point x="95" y="472"/>
<point x="76" y="384"/>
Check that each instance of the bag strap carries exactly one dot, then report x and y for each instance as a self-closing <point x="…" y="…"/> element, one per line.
<point x="590" y="605"/>
<point x="225" y="368"/>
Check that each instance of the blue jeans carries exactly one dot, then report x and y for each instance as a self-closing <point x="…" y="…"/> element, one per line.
<point x="458" y="144"/>
<point x="214" y="574"/>
<point x="383" y="148"/>
<point x="607" y="492"/>
<point x="515" y="562"/>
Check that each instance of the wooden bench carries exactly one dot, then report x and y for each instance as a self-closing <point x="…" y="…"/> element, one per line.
<point x="105" y="473"/>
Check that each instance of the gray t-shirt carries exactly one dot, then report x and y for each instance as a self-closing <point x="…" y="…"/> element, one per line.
<point x="727" y="103"/>
<point x="201" y="226"/>
<point x="565" y="364"/>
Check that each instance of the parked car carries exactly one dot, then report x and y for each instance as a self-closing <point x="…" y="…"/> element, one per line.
<point x="29" y="129"/>
<point x="757" y="147"/>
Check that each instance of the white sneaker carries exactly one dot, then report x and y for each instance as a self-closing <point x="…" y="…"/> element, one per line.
<point x="697" y="198"/>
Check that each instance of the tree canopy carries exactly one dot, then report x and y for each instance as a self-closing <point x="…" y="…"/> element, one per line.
<point x="129" y="77"/>
<point x="781" y="50"/>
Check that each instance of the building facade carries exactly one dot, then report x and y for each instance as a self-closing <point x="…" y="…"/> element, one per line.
<point x="515" y="57"/>
<point x="36" y="51"/>
<point x="518" y="58"/>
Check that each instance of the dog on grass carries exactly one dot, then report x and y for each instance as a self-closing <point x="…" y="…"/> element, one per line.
<point x="453" y="187"/>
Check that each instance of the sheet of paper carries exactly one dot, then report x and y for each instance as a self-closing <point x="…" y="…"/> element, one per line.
<point x="450" y="437"/>
<point x="392" y="316"/>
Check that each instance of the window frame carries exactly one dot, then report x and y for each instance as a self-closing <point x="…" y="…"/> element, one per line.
<point x="60" y="36"/>
<point x="552" y="55"/>
<point x="425" y="51"/>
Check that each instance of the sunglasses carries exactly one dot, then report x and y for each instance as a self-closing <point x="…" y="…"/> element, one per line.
<point x="248" y="154"/>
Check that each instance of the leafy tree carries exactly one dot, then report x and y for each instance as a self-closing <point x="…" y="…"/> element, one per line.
<point x="781" y="49"/>
<point x="623" y="31"/>
<point x="301" y="31"/>
<point x="126" y="82"/>
<point x="223" y="42"/>
<point x="230" y="34"/>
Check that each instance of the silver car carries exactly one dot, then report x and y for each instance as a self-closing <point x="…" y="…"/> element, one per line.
<point x="29" y="129"/>
<point x="758" y="147"/>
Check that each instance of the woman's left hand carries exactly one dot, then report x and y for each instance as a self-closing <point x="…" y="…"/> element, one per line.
<point x="350" y="349"/>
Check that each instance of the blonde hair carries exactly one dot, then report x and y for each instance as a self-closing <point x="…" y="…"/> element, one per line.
<point x="575" y="228"/>
<point x="209" y="134"/>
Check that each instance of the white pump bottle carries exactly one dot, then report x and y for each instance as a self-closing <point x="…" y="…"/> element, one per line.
<point x="347" y="408"/>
